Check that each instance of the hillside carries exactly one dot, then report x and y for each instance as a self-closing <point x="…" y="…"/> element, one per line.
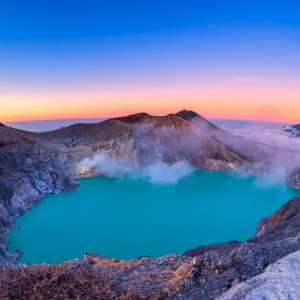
<point x="251" y="150"/>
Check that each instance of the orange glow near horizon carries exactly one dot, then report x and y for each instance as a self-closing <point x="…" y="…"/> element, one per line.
<point x="99" y="61"/>
<point x="245" y="103"/>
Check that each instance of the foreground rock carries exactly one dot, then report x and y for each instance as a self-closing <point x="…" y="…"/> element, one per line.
<point x="280" y="281"/>
<point x="283" y="224"/>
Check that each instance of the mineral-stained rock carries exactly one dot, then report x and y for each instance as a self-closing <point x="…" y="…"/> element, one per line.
<point x="282" y="224"/>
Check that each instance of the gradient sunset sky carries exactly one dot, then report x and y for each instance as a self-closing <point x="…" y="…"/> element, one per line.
<point x="88" y="59"/>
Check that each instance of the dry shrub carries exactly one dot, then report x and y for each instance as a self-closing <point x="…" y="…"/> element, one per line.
<point x="63" y="281"/>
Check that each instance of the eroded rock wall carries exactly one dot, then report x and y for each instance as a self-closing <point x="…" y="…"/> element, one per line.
<point x="32" y="167"/>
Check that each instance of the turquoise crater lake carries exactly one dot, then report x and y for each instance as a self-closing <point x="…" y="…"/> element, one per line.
<point x="128" y="218"/>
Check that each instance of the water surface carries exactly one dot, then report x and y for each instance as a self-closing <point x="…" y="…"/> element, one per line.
<point x="128" y="218"/>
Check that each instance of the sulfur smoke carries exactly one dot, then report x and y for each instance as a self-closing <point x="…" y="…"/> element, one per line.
<point x="158" y="172"/>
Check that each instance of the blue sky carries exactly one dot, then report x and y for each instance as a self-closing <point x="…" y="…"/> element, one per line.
<point x="54" y="20"/>
<point x="95" y="48"/>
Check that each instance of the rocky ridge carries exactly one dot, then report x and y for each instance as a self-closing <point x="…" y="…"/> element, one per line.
<point x="35" y="164"/>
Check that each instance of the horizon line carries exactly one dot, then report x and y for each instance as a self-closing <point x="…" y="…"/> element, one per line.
<point x="111" y="117"/>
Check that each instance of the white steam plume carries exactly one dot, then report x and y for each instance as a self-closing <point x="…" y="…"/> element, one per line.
<point x="158" y="172"/>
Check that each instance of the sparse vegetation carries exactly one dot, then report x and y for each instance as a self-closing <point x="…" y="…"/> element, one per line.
<point x="63" y="281"/>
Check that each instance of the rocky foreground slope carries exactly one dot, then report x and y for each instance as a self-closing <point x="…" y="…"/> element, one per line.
<point x="281" y="280"/>
<point x="35" y="164"/>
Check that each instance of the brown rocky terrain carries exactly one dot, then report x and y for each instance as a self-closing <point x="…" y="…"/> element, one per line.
<point x="35" y="164"/>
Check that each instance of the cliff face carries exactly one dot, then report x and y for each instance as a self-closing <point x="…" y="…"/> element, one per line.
<point x="284" y="223"/>
<point x="35" y="164"/>
<point x="27" y="173"/>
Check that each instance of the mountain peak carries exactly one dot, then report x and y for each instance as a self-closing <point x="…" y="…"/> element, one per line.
<point x="187" y="114"/>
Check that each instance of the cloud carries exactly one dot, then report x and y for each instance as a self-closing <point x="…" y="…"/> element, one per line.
<point x="275" y="137"/>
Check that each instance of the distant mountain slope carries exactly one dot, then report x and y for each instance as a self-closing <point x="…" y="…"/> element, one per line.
<point x="250" y="150"/>
<point x="47" y="125"/>
<point x="84" y="134"/>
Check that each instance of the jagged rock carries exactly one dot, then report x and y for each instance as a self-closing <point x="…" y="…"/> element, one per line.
<point x="284" y="223"/>
<point x="280" y="281"/>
